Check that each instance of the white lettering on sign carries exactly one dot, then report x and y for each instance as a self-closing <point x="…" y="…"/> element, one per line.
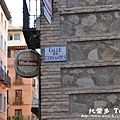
<point x="27" y="63"/>
<point x="55" y="54"/>
<point x="55" y="49"/>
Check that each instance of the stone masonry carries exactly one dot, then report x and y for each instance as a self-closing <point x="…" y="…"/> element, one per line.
<point x="87" y="86"/>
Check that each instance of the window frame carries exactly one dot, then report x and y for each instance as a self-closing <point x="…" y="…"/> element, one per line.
<point x="18" y="77"/>
<point x="18" y="95"/>
<point x="1" y="102"/>
<point x="10" y="37"/>
<point x="1" y="17"/>
<point x="9" y="53"/>
<point x="5" y="105"/>
<point x="5" y="24"/>
<point x="5" y="47"/>
<point x="19" y="112"/>
<point x="17" y="36"/>
<point x="1" y="42"/>
<point x="1" y="63"/>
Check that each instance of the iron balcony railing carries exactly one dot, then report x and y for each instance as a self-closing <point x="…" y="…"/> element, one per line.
<point x="4" y="78"/>
<point x="31" y="34"/>
<point x="17" y="81"/>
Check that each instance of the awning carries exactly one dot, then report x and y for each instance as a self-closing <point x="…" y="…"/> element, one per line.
<point x="35" y="106"/>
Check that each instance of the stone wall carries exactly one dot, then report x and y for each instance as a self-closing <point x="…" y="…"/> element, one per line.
<point x="90" y="77"/>
<point x="90" y="23"/>
<point x="94" y="50"/>
<point x="81" y="3"/>
<point x="82" y="103"/>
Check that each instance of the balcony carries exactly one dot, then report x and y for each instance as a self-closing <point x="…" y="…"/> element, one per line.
<point x="31" y="34"/>
<point x="4" y="78"/>
<point x="18" y="103"/>
<point x="18" y="82"/>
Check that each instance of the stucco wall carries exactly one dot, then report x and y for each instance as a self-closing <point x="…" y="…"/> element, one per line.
<point x="25" y="86"/>
<point x="3" y="58"/>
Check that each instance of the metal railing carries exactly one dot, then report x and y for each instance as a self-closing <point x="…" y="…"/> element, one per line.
<point x="17" y="81"/>
<point x="30" y="32"/>
<point x="4" y="78"/>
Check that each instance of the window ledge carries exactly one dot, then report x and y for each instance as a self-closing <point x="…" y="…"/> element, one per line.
<point x="5" y="113"/>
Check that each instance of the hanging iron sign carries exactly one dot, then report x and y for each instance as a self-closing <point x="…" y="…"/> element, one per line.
<point x="48" y="5"/>
<point x="26" y="63"/>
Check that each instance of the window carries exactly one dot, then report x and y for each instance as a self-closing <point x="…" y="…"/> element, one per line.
<point x="7" y="96"/>
<point x="5" y="104"/>
<point x="33" y="82"/>
<point x="17" y="36"/>
<point x="0" y="102"/>
<point x="18" y="79"/>
<point x="18" y="96"/>
<point x="1" y="17"/>
<point x="1" y="64"/>
<point x="34" y="118"/>
<point x="4" y="68"/>
<point x="10" y="37"/>
<point x="1" y="42"/>
<point x="5" y="24"/>
<point x="4" y="47"/>
<point x="9" y="53"/>
<point x="18" y="112"/>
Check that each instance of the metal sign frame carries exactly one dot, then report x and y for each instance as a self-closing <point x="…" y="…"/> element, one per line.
<point x="26" y="63"/>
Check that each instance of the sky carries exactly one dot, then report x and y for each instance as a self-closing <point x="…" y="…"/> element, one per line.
<point x="16" y="9"/>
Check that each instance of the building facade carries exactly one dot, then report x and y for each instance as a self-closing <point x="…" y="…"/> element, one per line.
<point x="4" y="78"/>
<point x="88" y="84"/>
<point x="23" y="90"/>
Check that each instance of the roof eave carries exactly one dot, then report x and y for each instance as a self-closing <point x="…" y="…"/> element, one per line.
<point x="5" y="9"/>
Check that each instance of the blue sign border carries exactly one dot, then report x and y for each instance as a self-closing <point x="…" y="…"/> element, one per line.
<point x="57" y="60"/>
